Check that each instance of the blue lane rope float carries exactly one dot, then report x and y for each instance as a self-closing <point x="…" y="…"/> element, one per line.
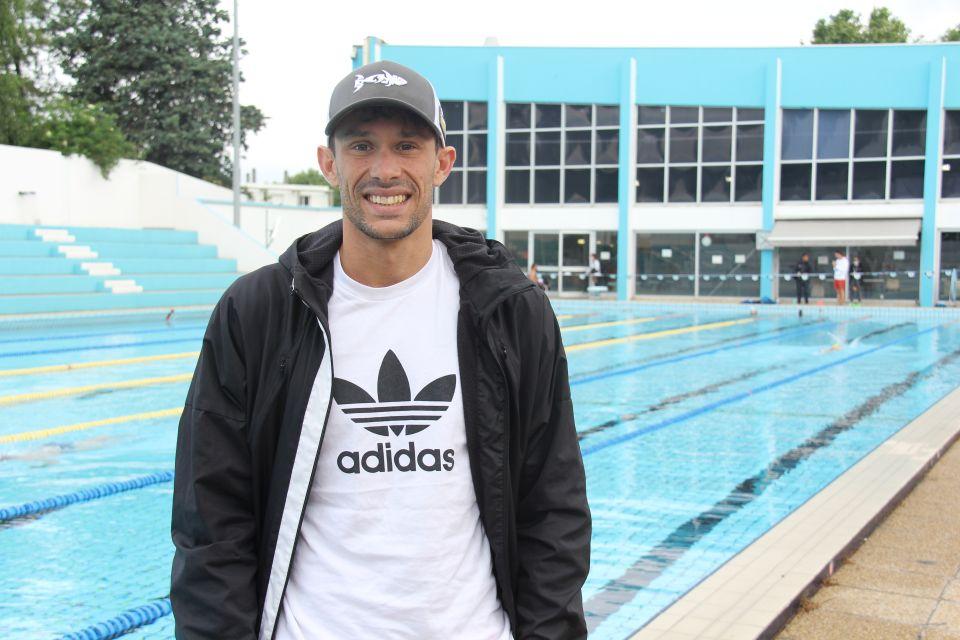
<point x="124" y="623"/>
<point x="85" y="495"/>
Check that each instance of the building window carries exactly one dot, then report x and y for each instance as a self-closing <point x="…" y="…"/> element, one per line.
<point x="467" y="133"/>
<point x="699" y="154"/>
<point x="561" y="153"/>
<point x="949" y="265"/>
<point x="303" y="201"/>
<point x="729" y="265"/>
<point x="950" y="186"/>
<point x="666" y="263"/>
<point x="852" y="154"/>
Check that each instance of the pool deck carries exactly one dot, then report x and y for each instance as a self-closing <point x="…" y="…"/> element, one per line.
<point x="902" y="583"/>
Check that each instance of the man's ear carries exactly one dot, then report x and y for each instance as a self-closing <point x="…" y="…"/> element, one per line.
<point x="446" y="156"/>
<point x="328" y="165"/>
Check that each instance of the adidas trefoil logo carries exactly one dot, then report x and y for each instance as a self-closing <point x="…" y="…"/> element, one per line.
<point x="393" y="408"/>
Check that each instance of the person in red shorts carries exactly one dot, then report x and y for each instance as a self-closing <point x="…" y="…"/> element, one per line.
<point x="841" y="267"/>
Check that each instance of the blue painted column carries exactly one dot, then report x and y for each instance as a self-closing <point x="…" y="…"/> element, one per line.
<point x="626" y="183"/>
<point x="771" y="161"/>
<point x="929" y="264"/>
<point x="495" y="127"/>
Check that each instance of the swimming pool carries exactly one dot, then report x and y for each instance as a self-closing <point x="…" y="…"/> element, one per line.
<point x="700" y="427"/>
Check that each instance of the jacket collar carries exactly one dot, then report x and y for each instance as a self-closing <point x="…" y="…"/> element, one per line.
<point x="486" y="272"/>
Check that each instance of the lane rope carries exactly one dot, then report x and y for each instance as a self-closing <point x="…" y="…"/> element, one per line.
<point x="39" y="434"/>
<point x="125" y="622"/>
<point x="657" y="334"/>
<point x="55" y="368"/>
<point x="50" y="394"/>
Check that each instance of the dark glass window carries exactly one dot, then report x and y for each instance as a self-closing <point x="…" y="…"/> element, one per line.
<point x="547" y="115"/>
<point x="869" y="180"/>
<point x="795" y="181"/>
<point x="833" y="134"/>
<point x="684" y="115"/>
<point x="660" y="257"/>
<point x="749" y="115"/>
<point x="951" y="133"/>
<point x="578" y="147"/>
<point x="453" y="115"/>
<point x="717" y="143"/>
<point x="451" y="191"/>
<point x="870" y="134"/>
<point x="518" y="116"/>
<point x="683" y="144"/>
<point x="749" y="182"/>
<point x="723" y="259"/>
<point x="608" y="146"/>
<point x="517" y="187"/>
<point x="715" y="184"/>
<point x="652" y="115"/>
<point x="717" y="114"/>
<point x="516" y="243"/>
<point x="950" y="186"/>
<point x="906" y="179"/>
<point x="749" y="142"/>
<point x="650" y="184"/>
<point x="650" y="145"/>
<point x="605" y="185"/>
<point x="576" y="186"/>
<point x="477" y="115"/>
<point x="608" y="115"/>
<point x="476" y="187"/>
<point x="477" y="150"/>
<point x="456" y="141"/>
<point x="546" y="186"/>
<point x="547" y="147"/>
<point x="682" y="184"/>
<point x="578" y="115"/>
<point x="797" y="142"/>
<point x="909" y="132"/>
<point x="832" y="180"/>
<point x="518" y="149"/>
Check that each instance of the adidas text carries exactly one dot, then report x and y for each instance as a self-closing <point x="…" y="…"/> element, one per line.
<point x="384" y="460"/>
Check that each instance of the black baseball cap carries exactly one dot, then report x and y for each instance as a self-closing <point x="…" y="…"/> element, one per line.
<point x="386" y="83"/>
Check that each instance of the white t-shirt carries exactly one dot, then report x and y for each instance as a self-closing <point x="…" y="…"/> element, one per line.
<point x="841" y="267"/>
<point x="392" y="546"/>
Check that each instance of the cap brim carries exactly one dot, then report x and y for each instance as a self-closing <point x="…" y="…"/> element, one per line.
<point x="376" y="101"/>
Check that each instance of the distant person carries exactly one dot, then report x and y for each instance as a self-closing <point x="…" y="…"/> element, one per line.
<point x="856" y="280"/>
<point x="841" y="268"/>
<point x="801" y="276"/>
<point x="594" y="272"/>
<point x="535" y="276"/>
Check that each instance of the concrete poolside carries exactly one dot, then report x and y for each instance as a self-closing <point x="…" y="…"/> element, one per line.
<point x="903" y="582"/>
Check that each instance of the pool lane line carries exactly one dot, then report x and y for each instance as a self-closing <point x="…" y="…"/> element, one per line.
<point x="63" y="392"/>
<point x="617" y="323"/>
<point x="126" y="622"/>
<point x="837" y="346"/>
<point x="38" y="507"/>
<point x="619" y="592"/>
<point x="56" y="368"/>
<point x="39" y="434"/>
<point x="707" y="408"/>
<point x="666" y="402"/>
<point x="654" y="335"/>
<point x="701" y="350"/>
<point x="96" y="347"/>
<point x="166" y="329"/>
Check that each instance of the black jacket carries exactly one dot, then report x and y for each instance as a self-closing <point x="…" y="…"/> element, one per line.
<point x="244" y="463"/>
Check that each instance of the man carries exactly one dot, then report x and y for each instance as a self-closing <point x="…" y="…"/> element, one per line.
<point x="378" y="441"/>
<point x="841" y="268"/>
<point x="801" y="276"/>
<point x="595" y="273"/>
<point x="856" y="281"/>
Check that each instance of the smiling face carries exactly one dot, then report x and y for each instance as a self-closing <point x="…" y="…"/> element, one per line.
<point x="386" y="163"/>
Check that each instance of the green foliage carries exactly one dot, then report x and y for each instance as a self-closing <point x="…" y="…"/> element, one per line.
<point x="845" y="27"/>
<point x="314" y="177"/>
<point x="21" y="35"/>
<point x="73" y="128"/>
<point x="951" y="35"/>
<point x="163" y="71"/>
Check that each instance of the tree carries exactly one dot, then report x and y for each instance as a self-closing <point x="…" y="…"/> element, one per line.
<point x="951" y="35"/>
<point x="21" y="36"/>
<point x="845" y="27"/>
<point x="314" y="177"/>
<point x="87" y="130"/>
<point x="163" y="71"/>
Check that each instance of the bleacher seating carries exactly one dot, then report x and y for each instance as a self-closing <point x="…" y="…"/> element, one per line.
<point x="60" y="269"/>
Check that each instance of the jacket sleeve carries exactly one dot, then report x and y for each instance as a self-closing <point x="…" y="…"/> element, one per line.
<point x="553" y="519"/>
<point x="213" y="584"/>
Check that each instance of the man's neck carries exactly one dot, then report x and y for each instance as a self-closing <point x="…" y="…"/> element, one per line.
<point x="382" y="263"/>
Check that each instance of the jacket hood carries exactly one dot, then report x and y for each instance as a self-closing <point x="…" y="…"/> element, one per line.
<point x="487" y="273"/>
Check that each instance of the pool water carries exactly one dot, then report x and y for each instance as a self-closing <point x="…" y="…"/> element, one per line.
<point x="700" y="430"/>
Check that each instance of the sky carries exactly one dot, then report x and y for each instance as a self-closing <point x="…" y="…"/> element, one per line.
<point x="297" y="51"/>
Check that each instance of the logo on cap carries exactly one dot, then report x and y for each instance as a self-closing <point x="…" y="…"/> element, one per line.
<point x="386" y="78"/>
